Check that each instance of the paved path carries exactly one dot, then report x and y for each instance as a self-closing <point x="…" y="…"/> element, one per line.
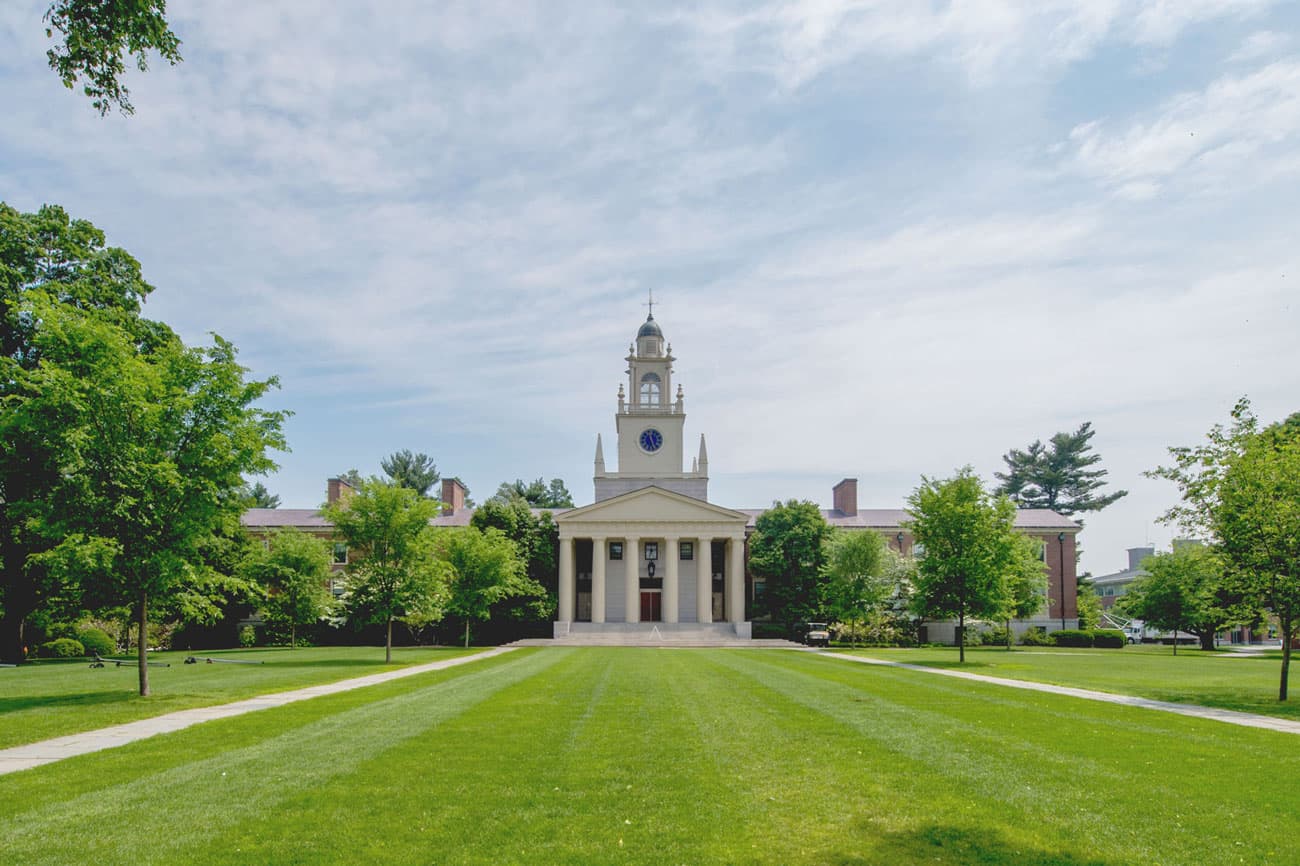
<point x="1233" y="717"/>
<point x="49" y="751"/>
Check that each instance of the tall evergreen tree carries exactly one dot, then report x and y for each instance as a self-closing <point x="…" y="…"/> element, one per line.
<point x="537" y="493"/>
<point x="1059" y="476"/>
<point x="412" y="471"/>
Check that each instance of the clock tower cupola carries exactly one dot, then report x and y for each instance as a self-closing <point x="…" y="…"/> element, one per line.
<point x="650" y="422"/>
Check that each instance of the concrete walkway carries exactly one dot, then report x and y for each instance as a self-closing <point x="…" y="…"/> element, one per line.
<point x="48" y="751"/>
<point x="1232" y="717"/>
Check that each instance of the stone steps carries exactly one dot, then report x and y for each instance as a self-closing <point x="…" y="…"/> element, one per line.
<point x="654" y="634"/>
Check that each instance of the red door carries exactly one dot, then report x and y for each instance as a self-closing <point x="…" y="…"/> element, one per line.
<point x="651" y="607"/>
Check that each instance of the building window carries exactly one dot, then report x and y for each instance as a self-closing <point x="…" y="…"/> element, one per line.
<point x="651" y="551"/>
<point x="615" y="551"/>
<point x="650" y="389"/>
<point x="340" y="553"/>
<point x="686" y="551"/>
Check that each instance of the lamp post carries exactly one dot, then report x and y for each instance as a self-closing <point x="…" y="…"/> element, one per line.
<point x="1060" y="546"/>
<point x="900" y="544"/>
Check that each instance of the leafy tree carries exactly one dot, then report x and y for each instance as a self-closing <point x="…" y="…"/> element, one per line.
<point x="856" y="587"/>
<point x="1087" y="601"/>
<point x="50" y="258"/>
<point x="899" y="616"/>
<point x="1026" y="582"/>
<point x="486" y="567"/>
<point x="153" y="440"/>
<point x="1058" y="476"/>
<point x="788" y="550"/>
<point x="970" y="547"/>
<point x="1258" y="526"/>
<point x="257" y="496"/>
<point x="98" y="35"/>
<point x="537" y="493"/>
<point x="294" y="571"/>
<point x="395" y="575"/>
<point x="538" y="541"/>
<point x="1242" y="489"/>
<point x="414" y="471"/>
<point x="1183" y="591"/>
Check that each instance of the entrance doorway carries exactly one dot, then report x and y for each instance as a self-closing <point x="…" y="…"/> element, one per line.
<point x="651" y="607"/>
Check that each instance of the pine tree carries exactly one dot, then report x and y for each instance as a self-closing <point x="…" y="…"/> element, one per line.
<point x="1058" y="476"/>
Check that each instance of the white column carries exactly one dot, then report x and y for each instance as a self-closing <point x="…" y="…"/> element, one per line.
<point x="632" y="578"/>
<point x="599" y="553"/>
<point x="704" y="579"/>
<point x="736" y="579"/>
<point x="670" y="580"/>
<point x="567" y="579"/>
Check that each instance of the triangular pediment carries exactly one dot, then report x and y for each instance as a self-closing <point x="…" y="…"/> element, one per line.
<point x="651" y="505"/>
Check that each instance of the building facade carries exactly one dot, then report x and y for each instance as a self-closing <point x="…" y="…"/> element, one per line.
<point x="652" y="552"/>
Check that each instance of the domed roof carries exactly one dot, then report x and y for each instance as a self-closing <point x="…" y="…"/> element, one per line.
<point x="650" y="328"/>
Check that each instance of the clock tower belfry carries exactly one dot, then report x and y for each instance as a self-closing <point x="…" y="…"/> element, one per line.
<point x="650" y="422"/>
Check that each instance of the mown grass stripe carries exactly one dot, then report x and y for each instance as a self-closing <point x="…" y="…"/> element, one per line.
<point x="178" y="809"/>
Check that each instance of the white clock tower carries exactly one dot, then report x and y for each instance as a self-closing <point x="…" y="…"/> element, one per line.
<point x="650" y="423"/>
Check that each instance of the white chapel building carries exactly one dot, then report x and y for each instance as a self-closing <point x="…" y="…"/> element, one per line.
<point x="651" y="548"/>
<point x="652" y="553"/>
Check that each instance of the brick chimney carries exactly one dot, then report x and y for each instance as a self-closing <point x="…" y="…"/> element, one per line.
<point x="337" y="489"/>
<point x="453" y="495"/>
<point x="844" y="497"/>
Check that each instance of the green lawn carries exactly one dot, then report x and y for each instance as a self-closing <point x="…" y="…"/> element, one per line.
<point x="49" y="699"/>
<point x="1228" y="680"/>
<point x="672" y="756"/>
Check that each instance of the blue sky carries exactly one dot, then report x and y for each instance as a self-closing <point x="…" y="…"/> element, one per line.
<point x="888" y="238"/>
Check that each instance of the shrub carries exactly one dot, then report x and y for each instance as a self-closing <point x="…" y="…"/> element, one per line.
<point x="62" y="648"/>
<point x="770" y="630"/>
<point x="1036" y="637"/>
<point x="96" y="642"/>
<point x="248" y="636"/>
<point x="996" y="636"/>
<point x="1073" y="637"/>
<point x="1108" y="638"/>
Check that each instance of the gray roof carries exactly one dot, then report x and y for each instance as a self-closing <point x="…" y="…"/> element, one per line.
<point x="274" y="518"/>
<point x="311" y="518"/>
<point x="650" y="328"/>
<point x="894" y="518"/>
<point x="867" y="518"/>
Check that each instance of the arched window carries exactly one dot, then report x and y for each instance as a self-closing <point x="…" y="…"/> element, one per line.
<point x="650" y="389"/>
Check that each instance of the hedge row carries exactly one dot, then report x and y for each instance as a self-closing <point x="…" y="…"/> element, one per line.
<point x="1101" y="638"/>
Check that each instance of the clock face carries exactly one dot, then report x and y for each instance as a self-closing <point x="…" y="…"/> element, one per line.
<point x="651" y="439"/>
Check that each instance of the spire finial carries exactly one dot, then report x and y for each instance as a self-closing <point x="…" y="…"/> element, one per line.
<point x="650" y="303"/>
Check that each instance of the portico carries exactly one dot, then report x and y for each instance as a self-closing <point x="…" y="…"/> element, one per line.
<point x="652" y="555"/>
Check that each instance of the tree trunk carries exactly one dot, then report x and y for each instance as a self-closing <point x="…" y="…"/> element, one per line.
<point x="1008" y="635"/>
<point x="11" y="638"/>
<point x="388" y="643"/>
<point x="1207" y="641"/>
<point x="1175" y="639"/>
<point x="961" y="635"/>
<point x="1288" y="630"/>
<point x="293" y="635"/>
<point x="142" y="650"/>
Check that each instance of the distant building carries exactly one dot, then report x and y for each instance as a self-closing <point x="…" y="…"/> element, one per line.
<point x="651" y="551"/>
<point x="1113" y="586"/>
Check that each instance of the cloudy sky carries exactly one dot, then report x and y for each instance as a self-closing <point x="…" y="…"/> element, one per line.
<point x="888" y="238"/>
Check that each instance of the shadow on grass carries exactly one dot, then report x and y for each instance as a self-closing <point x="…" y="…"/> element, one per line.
<point x="82" y="699"/>
<point x="965" y="845"/>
